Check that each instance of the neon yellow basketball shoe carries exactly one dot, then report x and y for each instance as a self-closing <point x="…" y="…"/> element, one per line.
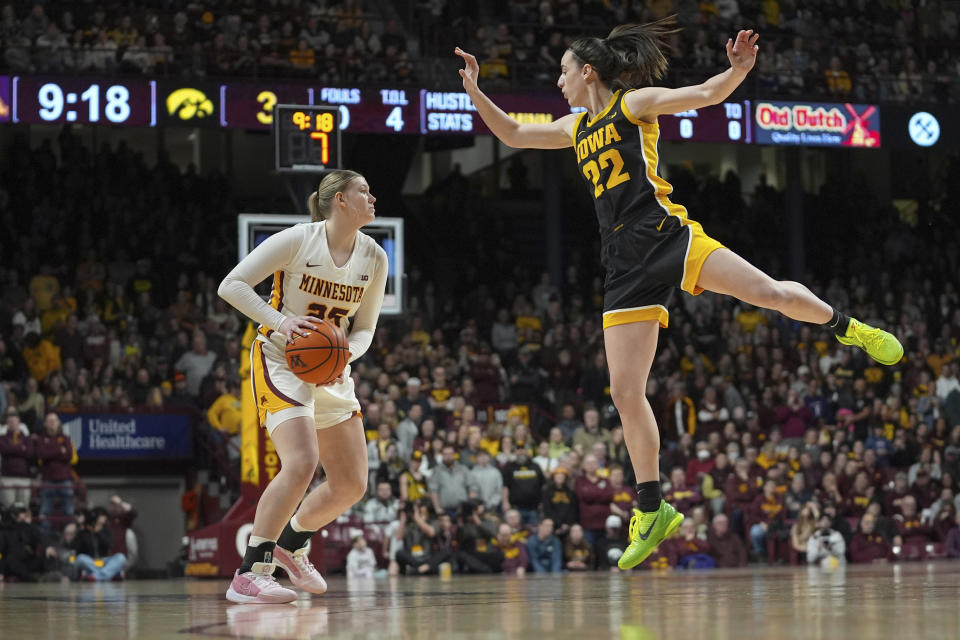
<point x="879" y="344"/>
<point x="647" y="531"/>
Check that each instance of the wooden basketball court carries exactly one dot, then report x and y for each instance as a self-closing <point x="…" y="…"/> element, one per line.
<point x="884" y="601"/>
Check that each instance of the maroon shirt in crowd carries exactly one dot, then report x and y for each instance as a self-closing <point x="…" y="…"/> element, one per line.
<point x="856" y="504"/>
<point x="794" y="421"/>
<point x="17" y="454"/>
<point x="486" y="381"/>
<point x="594" y="499"/>
<point x="727" y="550"/>
<point x="684" y="499"/>
<point x="695" y="467"/>
<point x="740" y="493"/>
<point x="891" y="503"/>
<point x="119" y="521"/>
<point x="942" y="528"/>
<point x="514" y="557"/>
<point x="913" y="529"/>
<point x="953" y="543"/>
<point x="54" y="454"/>
<point x="767" y="510"/>
<point x="867" y="547"/>
<point x="624" y="497"/>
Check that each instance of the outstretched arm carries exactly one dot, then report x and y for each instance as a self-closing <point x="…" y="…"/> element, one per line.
<point x="554" y="135"/>
<point x="649" y="102"/>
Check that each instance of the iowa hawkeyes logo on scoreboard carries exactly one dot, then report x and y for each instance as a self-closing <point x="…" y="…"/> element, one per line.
<point x="189" y="104"/>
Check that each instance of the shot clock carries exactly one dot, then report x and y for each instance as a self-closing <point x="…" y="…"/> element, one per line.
<point x="306" y="138"/>
<point x="84" y="101"/>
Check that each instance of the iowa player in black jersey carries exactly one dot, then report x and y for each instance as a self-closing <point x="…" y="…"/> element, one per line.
<point x="649" y="245"/>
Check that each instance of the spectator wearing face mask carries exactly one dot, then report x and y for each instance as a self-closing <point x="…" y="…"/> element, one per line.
<point x="702" y="464"/>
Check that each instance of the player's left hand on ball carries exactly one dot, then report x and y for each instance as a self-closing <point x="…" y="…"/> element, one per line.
<point x="339" y="379"/>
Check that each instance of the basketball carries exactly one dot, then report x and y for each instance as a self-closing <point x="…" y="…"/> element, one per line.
<point x="320" y="356"/>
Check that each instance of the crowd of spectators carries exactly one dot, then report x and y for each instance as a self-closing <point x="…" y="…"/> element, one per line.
<point x="868" y="51"/>
<point x="493" y="442"/>
<point x="327" y="41"/>
<point x="93" y="545"/>
<point x="865" y="51"/>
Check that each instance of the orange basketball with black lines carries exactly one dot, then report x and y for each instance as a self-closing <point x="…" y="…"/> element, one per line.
<point x="320" y="356"/>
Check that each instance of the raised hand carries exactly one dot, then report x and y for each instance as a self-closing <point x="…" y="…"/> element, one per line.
<point x="470" y="71"/>
<point x="743" y="52"/>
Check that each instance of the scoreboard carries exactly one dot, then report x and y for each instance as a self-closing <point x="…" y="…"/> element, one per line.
<point x="306" y="138"/>
<point x="412" y="110"/>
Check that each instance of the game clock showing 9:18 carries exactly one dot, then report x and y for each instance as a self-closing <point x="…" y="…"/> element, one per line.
<point x="84" y="101"/>
<point x="307" y="138"/>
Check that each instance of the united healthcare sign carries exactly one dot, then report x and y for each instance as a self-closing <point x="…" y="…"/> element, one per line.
<point x="129" y="435"/>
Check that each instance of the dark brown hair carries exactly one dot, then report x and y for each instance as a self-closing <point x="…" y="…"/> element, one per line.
<point x="631" y="56"/>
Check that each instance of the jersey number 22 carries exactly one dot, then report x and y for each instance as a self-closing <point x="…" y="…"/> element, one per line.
<point x="592" y="171"/>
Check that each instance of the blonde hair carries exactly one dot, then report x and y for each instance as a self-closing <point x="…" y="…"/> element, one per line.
<point x="333" y="183"/>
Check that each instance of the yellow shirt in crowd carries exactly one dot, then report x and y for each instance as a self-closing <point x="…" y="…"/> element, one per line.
<point x="225" y="414"/>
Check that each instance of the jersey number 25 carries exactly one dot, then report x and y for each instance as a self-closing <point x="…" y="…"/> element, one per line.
<point x="318" y="310"/>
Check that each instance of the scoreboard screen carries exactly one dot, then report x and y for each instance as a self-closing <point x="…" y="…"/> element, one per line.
<point x="306" y="137"/>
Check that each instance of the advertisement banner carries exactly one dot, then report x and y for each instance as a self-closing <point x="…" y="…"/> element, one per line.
<point x="817" y="124"/>
<point x="129" y="435"/>
<point x="6" y="108"/>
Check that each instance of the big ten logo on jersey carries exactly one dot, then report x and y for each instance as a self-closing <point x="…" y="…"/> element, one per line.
<point x="592" y="169"/>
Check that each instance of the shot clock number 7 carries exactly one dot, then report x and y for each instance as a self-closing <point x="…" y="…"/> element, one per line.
<point x="306" y="138"/>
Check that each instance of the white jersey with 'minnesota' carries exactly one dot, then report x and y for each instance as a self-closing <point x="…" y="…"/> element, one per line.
<point x="306" y="282"/>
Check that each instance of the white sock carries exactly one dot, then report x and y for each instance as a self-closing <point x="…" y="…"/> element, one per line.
<point x="256" y="541"/>
<point x="296" y="526"/>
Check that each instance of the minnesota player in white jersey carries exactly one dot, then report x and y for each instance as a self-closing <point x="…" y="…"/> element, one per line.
<point x="324" y="271"/>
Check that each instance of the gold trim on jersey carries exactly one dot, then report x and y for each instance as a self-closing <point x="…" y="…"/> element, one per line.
<point x="576" y="126"/>
<point x="629" y="114"/>
<point x="606" y="110"/>
<point x="656" y="312"/>
<point x="699" y="244"/>
<point x="276" y="300"/>
<point x="265" y="394"/>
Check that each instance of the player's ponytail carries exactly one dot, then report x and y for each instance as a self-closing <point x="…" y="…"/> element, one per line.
<point x="333" y="182"/>
<point x="631" y="56"/>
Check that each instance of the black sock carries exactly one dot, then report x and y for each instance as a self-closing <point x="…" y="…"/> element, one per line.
<point x="648" y="496"/>
<point x="292" y="540"/>
<point x="838" y="323"/>
<point x="261" y="553"/>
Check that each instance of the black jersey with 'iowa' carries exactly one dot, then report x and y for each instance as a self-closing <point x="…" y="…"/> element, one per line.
<point x="617" y="154"/>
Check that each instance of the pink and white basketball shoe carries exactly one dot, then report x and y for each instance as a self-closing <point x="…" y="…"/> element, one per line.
<point x="301" y="571"/>
<point x="258" y="586"/>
